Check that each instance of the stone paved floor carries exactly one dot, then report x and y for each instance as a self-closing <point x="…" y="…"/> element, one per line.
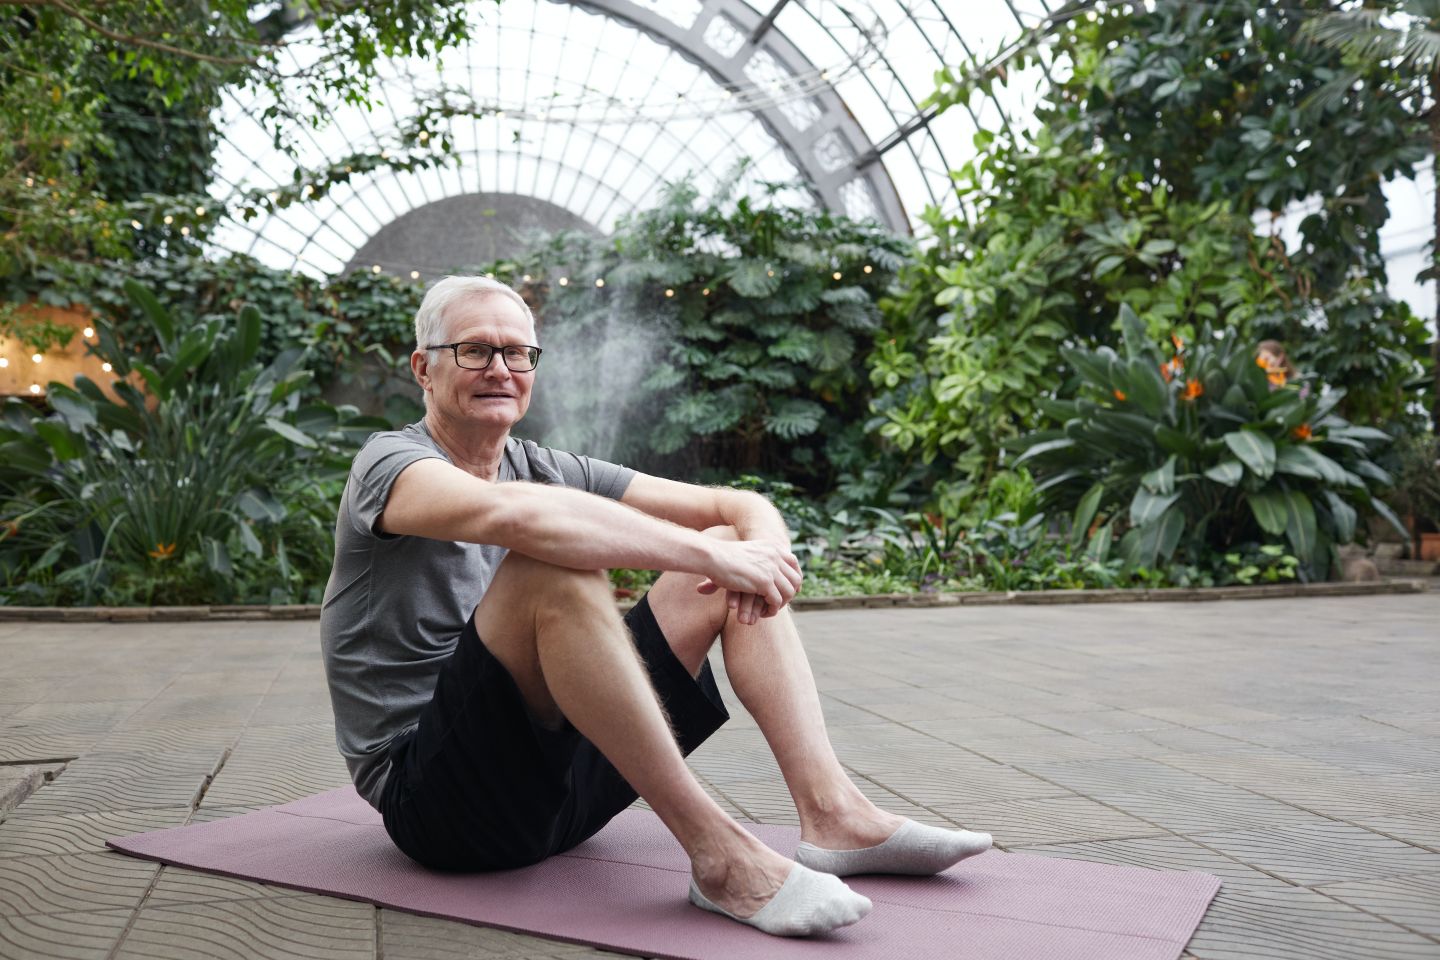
<point x="1291" y="747"/>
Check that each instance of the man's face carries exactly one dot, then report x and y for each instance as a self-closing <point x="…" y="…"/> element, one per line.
<point x="496" y="397"/>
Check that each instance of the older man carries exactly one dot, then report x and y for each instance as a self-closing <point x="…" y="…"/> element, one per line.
<point x="492" y="704"/>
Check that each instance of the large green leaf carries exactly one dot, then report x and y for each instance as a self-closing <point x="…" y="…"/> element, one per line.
<point x="1344" y="516"/>
<point x="1255" y="450"/>
<point x="1040" y="449"/>
<point x="1269" y="509"/>
<point x="1146" y="389"/>
<point x="1228" y="472"/>
<point x="290" y="433"/>
<point x="159" y="317"/>
<point x="1161" y="479"/>
<point x="1382" y="508"/>
<point x="1292" y="458"/>
<point x="1300" y="527"/>
<point x="1175" y="441"/>
<point x="1147" y="506"/>
<point x="1146" y="545"/>
<point x="64" y="444"/>
<point x="1085" y="513"/>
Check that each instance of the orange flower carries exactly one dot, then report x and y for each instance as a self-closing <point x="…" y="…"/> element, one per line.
<point x="1261" y="363"/>
<point x="1170" y="368"/>
<point x="162" y="551"/>
<point x="8" y="528"/>
<point x="1179" y="344"/>
<point x="1192" y="390"/>
<point x="1301" y="432"/>
<point x="1276" y="376"/>
<point x="1120" y="395"/>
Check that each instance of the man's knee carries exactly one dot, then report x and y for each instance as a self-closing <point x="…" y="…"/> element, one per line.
<point x="525" y="586"/>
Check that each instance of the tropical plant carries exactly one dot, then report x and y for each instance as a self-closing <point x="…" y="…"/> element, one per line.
<point x="1203" y="450"/>
<point x="727" y="335"/>
<point x="193" y="460"/>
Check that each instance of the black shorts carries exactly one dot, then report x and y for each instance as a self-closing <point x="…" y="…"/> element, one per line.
<point x="479" y="785"/>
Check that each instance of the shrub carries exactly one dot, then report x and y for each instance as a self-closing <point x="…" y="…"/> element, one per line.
<point x="195" y="490"/>
<point x="1204" y="450"/>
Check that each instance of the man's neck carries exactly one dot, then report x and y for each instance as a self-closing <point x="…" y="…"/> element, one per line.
<point x="478" y="454"/>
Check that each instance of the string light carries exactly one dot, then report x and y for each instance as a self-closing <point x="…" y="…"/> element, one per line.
<point x="169" y="219"/>
<point x="564" y="281"/>
<point x="37" y="358"/>
<point x="769" y="273"/>
<point x="307" y="191"/>
<point x="669" y="292"/>
<point x="4" y="362"/>
<point x="526" y="278"/>
<point x="424" y="135"/>
<point x="135" y="224"/>
<point x="599" y="282"/>
<point x="106" y="367"/>
<point x="199" y="211"/>
<point x="836" y="274"/>
<point x="35" y="389"/>
<point x="88" y="332"/>
<point x="868" y="268"/>
<point x="705" y="292"/>
<point x="184" y="231"/>
<point x="375" y="268"/>
<point x="414" y="274"/>
<point x="29" y="181"/>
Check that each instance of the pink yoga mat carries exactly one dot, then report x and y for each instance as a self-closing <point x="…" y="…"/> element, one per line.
<point x="625" y="890"/>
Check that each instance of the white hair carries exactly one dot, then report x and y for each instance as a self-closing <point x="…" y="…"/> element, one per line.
<point x="448" y="291"/>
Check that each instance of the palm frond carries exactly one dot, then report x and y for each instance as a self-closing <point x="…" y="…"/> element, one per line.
<point x="1421" y="48"/>
<point x="1355" y="33"/>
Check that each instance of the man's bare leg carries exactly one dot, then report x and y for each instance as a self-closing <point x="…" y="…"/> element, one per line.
<point x="768" y="668"/>
<point x="560" y="637"/>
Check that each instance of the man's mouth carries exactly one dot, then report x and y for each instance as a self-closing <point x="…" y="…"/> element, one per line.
<point x="494" y="396"/>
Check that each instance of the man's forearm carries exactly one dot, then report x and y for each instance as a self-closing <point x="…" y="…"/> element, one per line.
<point x="571" y="528"/>
<point x="754" y="517"/>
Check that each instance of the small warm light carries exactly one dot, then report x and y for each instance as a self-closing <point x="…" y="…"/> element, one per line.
<point x="184" y="231"/>
<point x="274" y="197"/>
<point x="384" y="154"/>
<point x="705" y="292"/>
<point x="414" y="274"/>
<point x="600" y="282"/>
<point x="349" y="169"/>
<point x="29" y="181"/>
<point x="35" y="388"/>
<point x="37" y="358"/>
<point x="135" y="224"/>
<point x="836" y="274"/>
<point x="869" y="269"/>
<point x="4" y="362"/>
<point x="824" y="74"/>
<point x="424" y="135"/>
<point x="169" y="219"/>
<point x="769" y="273"/>
<point x="669" y="293"/>
<point x="526" y="278"/>
<point x="564" y="281"/>
<point x="199" y="211"/>
<point x="88" y="332"/>
<point x="375" y="268"/>
<point x="307" y="191"/>
<point x="106" y="367"/>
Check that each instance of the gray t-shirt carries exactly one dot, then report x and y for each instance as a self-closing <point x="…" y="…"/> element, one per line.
<point x="395" y="605"/>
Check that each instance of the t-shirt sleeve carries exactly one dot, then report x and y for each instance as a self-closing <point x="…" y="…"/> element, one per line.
<point x="373" y="474"/>
<point x="600" y="477"/>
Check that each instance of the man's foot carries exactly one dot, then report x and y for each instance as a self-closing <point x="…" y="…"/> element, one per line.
<point x="914" y="849"/>
<point x="806" y="904"/>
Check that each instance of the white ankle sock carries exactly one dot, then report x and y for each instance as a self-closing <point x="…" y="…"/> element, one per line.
<point x="914" y="849"/>
<point x="806" y="903"/>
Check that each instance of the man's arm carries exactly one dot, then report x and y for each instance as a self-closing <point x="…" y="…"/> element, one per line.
<point x="753" y="517"/>
<point x="571" y="528"/>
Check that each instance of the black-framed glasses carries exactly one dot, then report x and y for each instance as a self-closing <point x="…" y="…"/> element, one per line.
<point x="474" y="355"/>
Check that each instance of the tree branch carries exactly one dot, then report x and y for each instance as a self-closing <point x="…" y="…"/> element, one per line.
<point x="131" y="39"/>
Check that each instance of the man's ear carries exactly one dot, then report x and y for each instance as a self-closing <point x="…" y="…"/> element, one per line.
<point x="420" y="368"/>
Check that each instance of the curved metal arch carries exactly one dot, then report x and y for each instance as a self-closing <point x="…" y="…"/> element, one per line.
<point x="835" y="119"/>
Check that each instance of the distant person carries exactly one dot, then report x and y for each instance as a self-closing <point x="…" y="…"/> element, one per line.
<point x="490" y="701"/>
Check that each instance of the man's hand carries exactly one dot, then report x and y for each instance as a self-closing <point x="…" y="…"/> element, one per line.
<point x="759" y="577"/>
